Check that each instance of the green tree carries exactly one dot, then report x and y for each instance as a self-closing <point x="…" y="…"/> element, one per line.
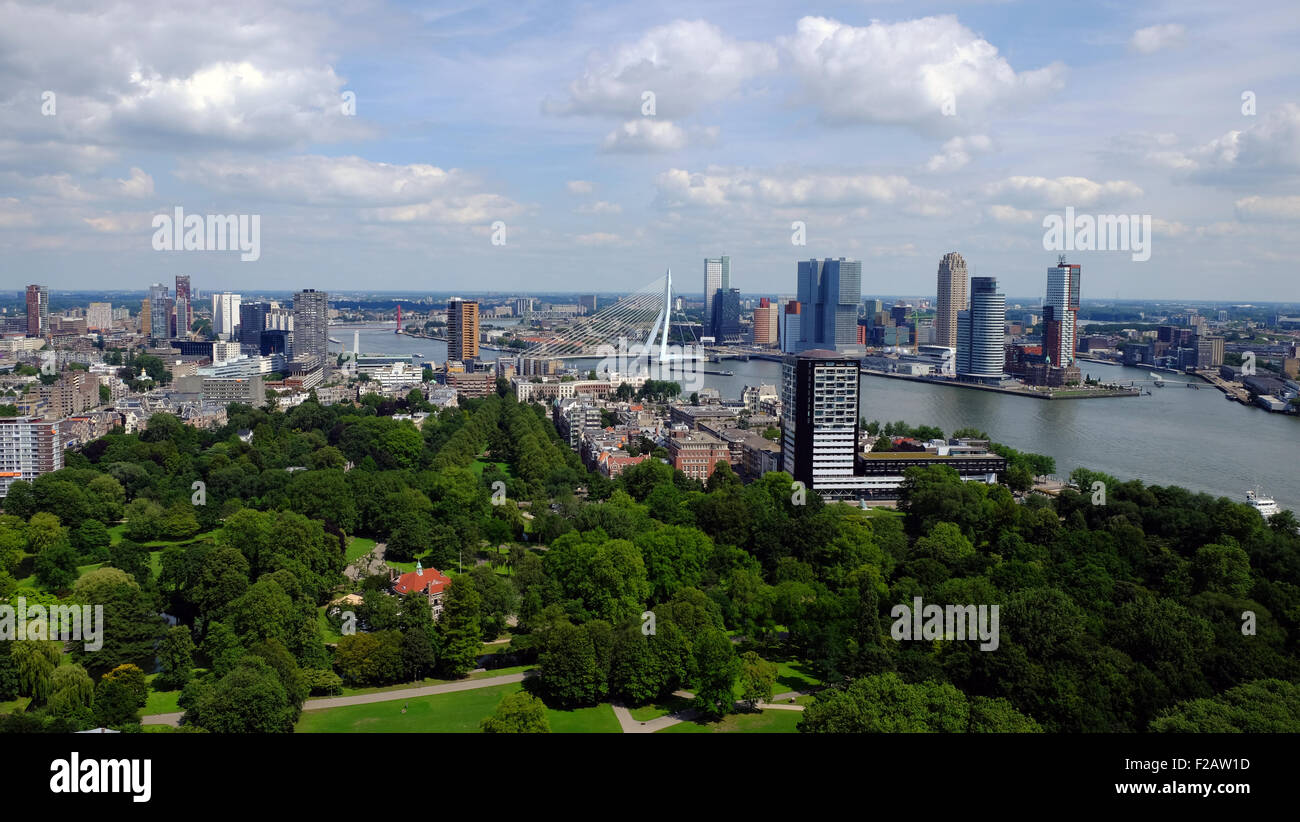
<point x="518" y="713"/>
<point x="460" y="638"/>
<point x="716" y="668"/>
<point x="757" y="676"/>
<point x="176" y="658"/>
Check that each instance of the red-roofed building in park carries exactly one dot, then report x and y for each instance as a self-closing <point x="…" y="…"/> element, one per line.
<point x="431" y="582"/>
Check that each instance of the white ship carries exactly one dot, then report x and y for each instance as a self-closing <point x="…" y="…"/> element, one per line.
<point x="1264" y="505"/>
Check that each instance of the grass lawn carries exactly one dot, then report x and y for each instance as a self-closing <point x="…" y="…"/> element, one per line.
<point x="358" y="546"/>
<point x="661" y="708"/>
<point x="597" y="720"/>
<point x="327" y="632"/>
<point x="458" y="712"/>
<point x="793" y="675"/>
<point x="477" y="467"/>
<point x="162" y="702"/>
<point x="118" y="532"/>
<point x="19" y="704"/>
<point x="764" y="722"/>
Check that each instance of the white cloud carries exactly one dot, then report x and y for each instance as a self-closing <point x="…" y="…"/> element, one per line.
<point x="957" y="152"/>
<point x="1154" y="38"/>
<point x="600" y="207"/>
<point x="1268" y="208"/>
<point x="905" y="73"/>
<point x="1008" y="214"/>
<point x="598" y="238"/>
<point x="579" y="187"/>
<point x="685" y="64"/>
<point x="648" y="135"/>
<point x="1080" y="192"/>
<point x="719" y="187"/>
<point x="1266" y="148"/>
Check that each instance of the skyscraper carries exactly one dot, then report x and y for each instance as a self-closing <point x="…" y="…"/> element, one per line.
<point x="160" y="312"/>
<point x="981" y="331"/>
<point x="951" y="298"/>
<point x="819" y="421"/>
<point x="765" y="322"/>
<point x="99" y="317"/>
<point x="462" y="329"/>
<point x="829" y="292"/>
<point x="252" y="322"/>
<point x="310" y="326"/>
<point x="184" y="304"/>
<point x="38" y="311"/>
<point x="226" y="314"/>
<point x="789" y="334"/>
<point x="1063" y="295"/>
<point x="726" y="315"/>
<point x="717" y="276"/>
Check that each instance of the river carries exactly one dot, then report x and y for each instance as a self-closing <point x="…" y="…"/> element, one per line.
<point x="1173" y="436"/>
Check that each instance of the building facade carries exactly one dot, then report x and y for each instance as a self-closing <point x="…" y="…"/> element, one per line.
<point x="1063" y="296"/>
<point x="829" y="292"/>
<point x="38" y="311"/>
<point x="29" y="447"/>
<point x="462" y="329"/>
<point x="717" y="276"/>
<point x="311" y="326"/>
<point x="819" y="422"/>
<point x="951" y="298"/>
<point x="981" y="331"/>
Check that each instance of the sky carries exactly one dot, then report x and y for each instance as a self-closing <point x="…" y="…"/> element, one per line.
<point x="557" y="146"/>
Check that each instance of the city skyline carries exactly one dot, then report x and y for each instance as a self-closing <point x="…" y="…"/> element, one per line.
<point x="540" y="160"/>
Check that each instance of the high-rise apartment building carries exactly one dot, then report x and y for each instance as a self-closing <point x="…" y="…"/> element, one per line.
<point x="1063" y="295"/>
<point x="951" y="298"/>
<point x="765" y="322"/>
<point x="99" y="317"/>
<point x="184" y="304"/>
<point x="311" y="326"/>
<point x="789" y="334"/>
<point x="226" y="314"/>
<point x="38" y="311"/>
<point x="819" y="421"/>
<point x="29" y="447"/>
<point x="462" y="329"/>
<point x="717" y="277"/>
<point x="829" y="292"/>
<point x="160" y="313"/>
<point x="981" y="332"/>
<point x="146" y="318"/>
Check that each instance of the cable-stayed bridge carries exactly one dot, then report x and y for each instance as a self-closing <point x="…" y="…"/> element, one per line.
<point x="636" y="325"/>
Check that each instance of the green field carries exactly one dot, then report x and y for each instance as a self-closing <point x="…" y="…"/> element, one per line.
<point x="357" y="547"/>
<point x="793" y="675"/>
<point x="765" y="722"/>
<point x="477" y="467"/>
<point x="662" y="707"/>
<point x="458" y="712"/>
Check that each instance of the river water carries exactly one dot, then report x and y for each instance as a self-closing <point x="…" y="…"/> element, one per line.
<point x="1171" y="436"/>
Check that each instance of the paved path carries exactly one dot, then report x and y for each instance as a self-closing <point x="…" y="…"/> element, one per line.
<point x="323" y="703"/>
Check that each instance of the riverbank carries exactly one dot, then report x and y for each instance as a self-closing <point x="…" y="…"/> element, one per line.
<point x="1082" y="393"/>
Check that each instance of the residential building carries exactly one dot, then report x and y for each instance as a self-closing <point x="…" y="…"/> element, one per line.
<point x="311" y="326"/>
<point x="29" y="447"/>
<point x="819" y="396"/>
<point x="184" y="305"/>
<point x="38" y="311"/>
<point x="99" y="317"/>
<point x="789" y="333"/>
<point x="1063" y="297"/>
<point x="227" y="314"/>
<point x="462" y="329"/>
<point x="160" y="312"/>
<point x="981" y="332"/>
<point x="951" y="298"/>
